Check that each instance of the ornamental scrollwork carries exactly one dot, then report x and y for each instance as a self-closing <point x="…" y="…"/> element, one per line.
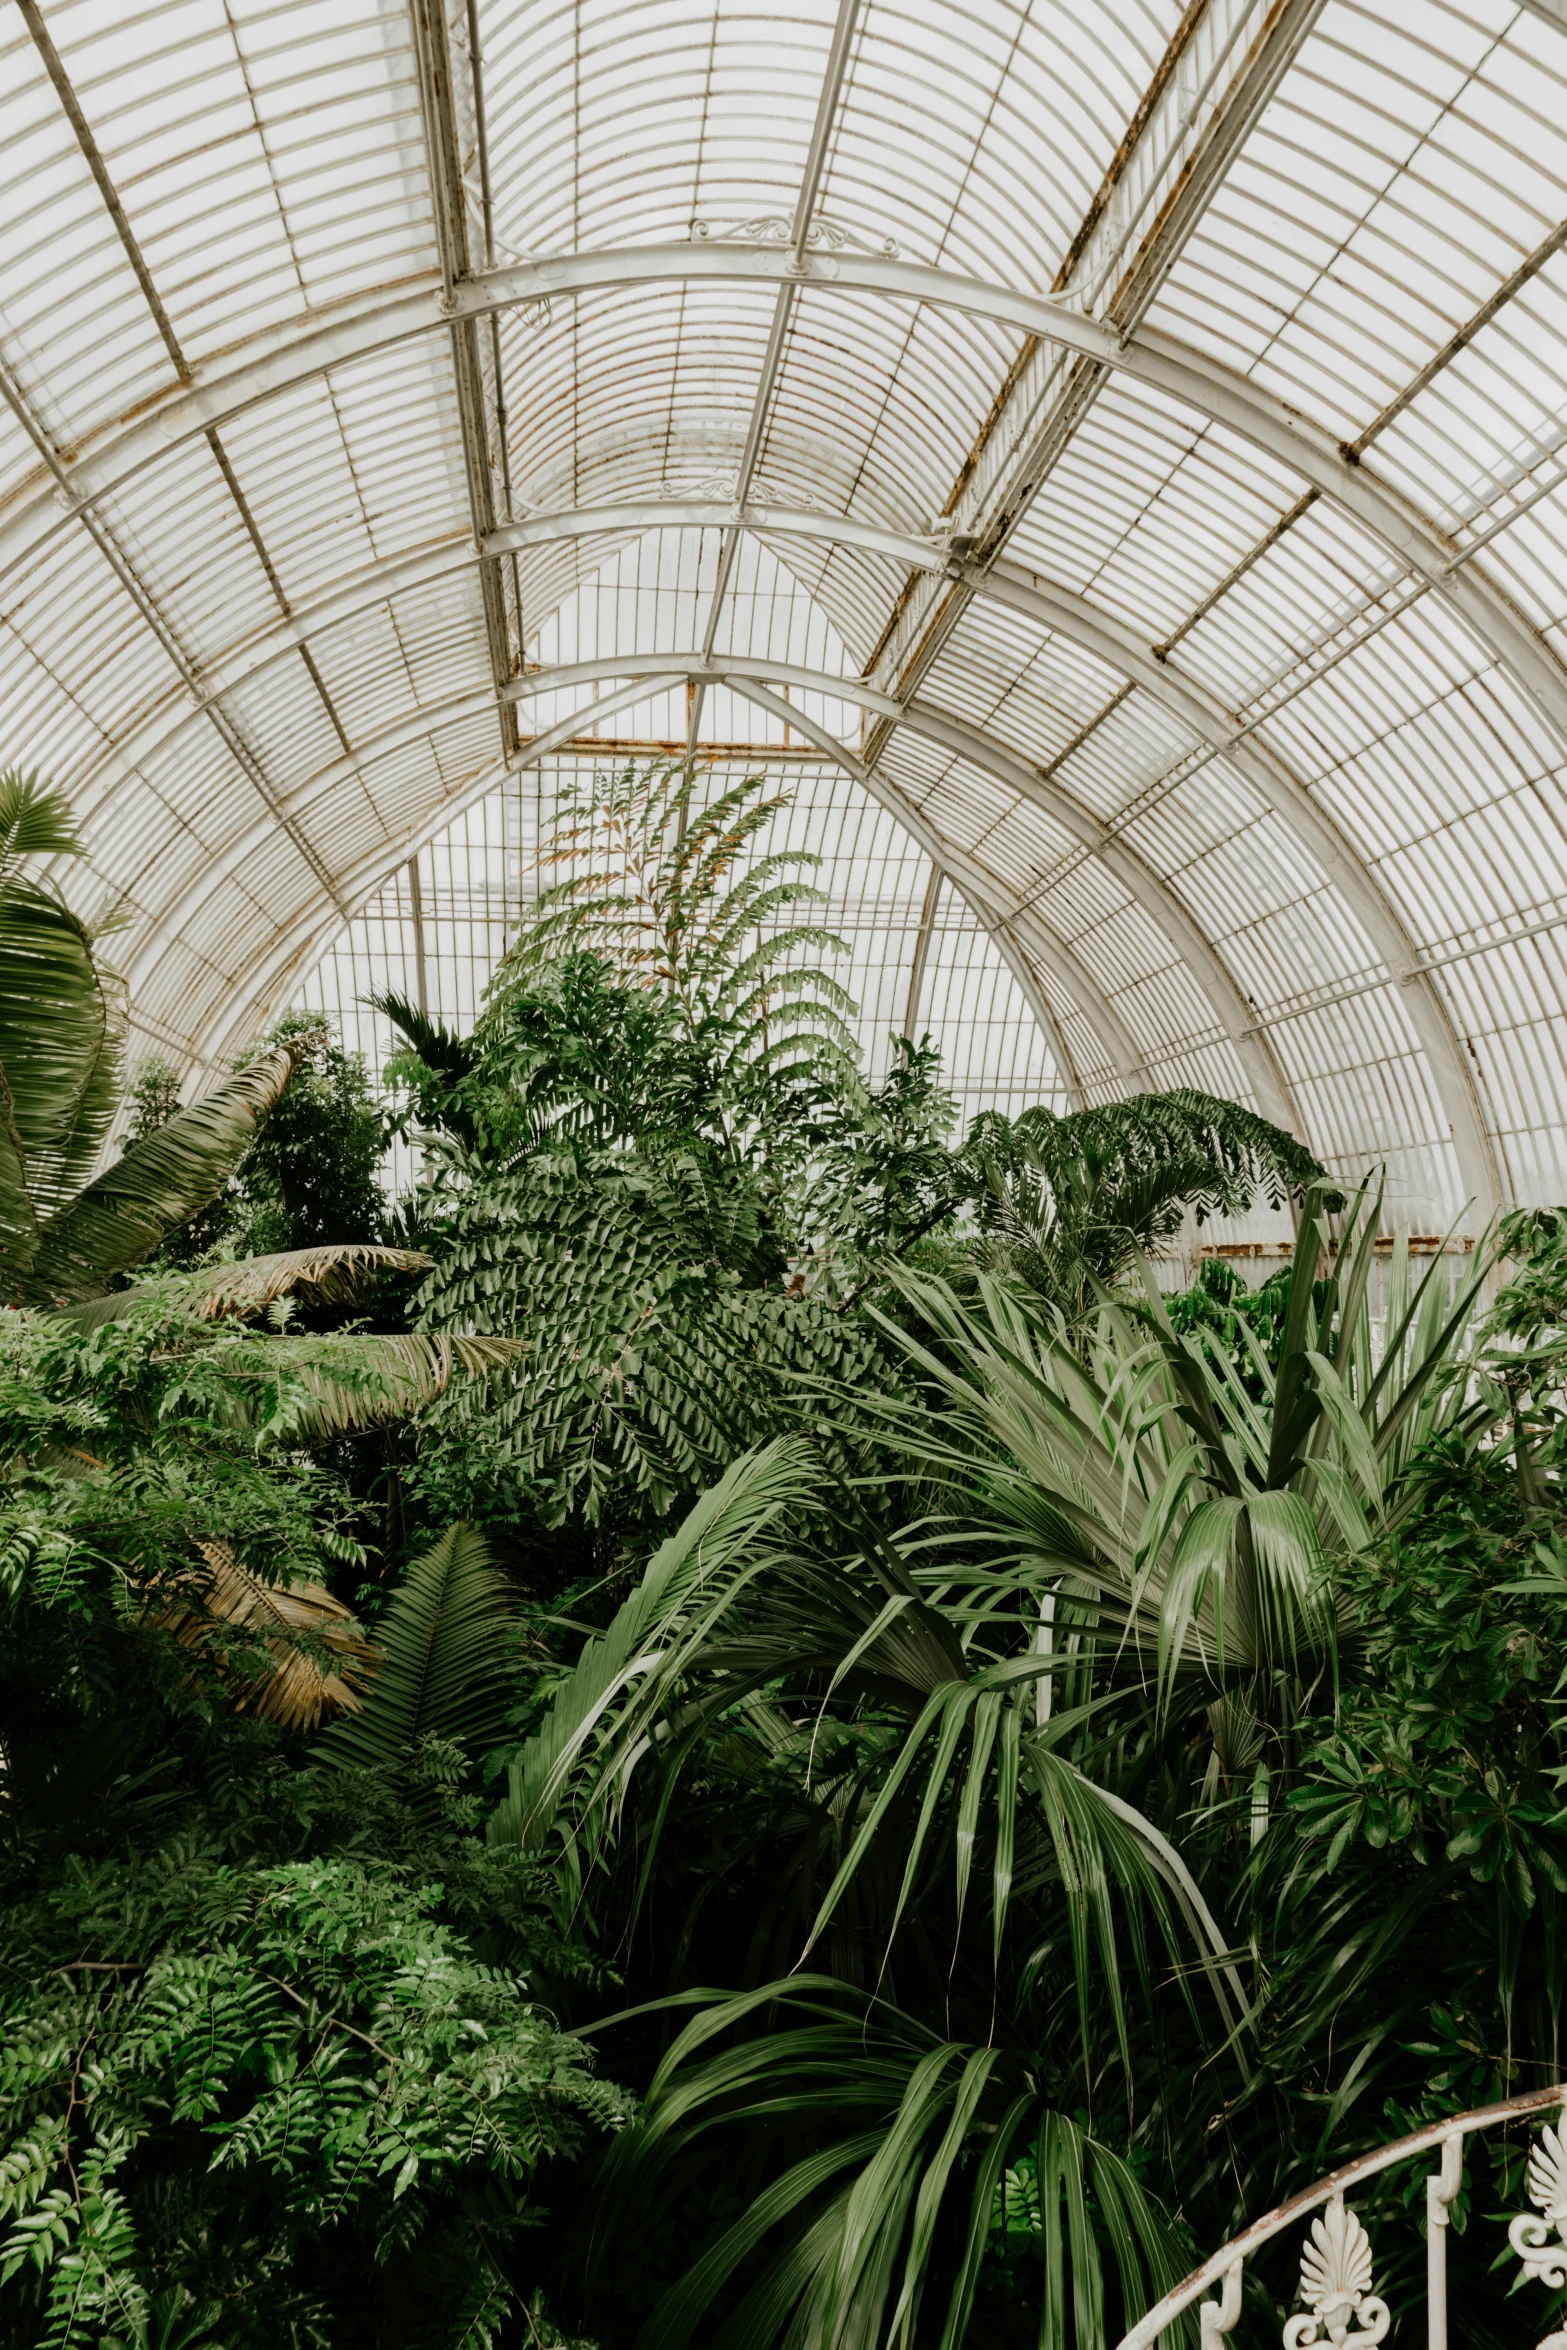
<point x="1335" y="2284"/>
<point x="1539" y="2237"/>
<point x="776" y="228"/>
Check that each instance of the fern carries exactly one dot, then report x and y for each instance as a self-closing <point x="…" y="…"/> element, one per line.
<point x="450" y="1651"/>
<point x="671" y="891"/>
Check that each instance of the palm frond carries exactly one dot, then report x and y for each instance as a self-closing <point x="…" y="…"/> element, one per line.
<point x="365" y="1380"/>
<point x="331" y="1274"/>
<point x="154" y="1186"/>
<point x="449" y="1655"/>
<point x="591" y="1738"/>
<point x="18" y="1216"/>
<point x="321" y="1661"/>
<point x="1068" y="1202"/>
<point x="439" y="1047"/>
<point x="35" y="821"/>
<point x="62" y="1030"/>
<point x="899" y="2159"/>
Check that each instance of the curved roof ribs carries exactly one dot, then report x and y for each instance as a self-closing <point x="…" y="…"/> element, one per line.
<point x="1054" y="609"/>
<point x="1224" y="63"/>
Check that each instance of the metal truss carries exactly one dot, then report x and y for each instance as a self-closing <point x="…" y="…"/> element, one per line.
<point x="1225" y="62"/>
<point x="452" y="104"/>
<point x="1055" y="610"/>
<point x="286" y="359"/>
<point x="1023" y="940"/>
<point x="1235" y="1019"/>
<point x="778" y="334"/>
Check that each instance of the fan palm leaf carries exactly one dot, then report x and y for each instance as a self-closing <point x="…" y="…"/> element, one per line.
<point x="340" y="1385"/>
<point x="61" y="1028"/>
<point x="601" y="1715"/>
<point x="928" y="2132"/>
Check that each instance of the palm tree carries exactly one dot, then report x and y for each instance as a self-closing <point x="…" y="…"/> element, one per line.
<point x="64" y="1236"/>
<point x="1067" y="1203"/>
<point x="992" y="1720"/>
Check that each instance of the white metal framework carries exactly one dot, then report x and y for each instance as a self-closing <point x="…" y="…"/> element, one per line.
<point x="1337" y="2258"/>
<point x="1109" y="456"/>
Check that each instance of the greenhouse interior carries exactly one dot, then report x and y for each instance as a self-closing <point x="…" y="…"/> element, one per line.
<point x="783" y="1175"/>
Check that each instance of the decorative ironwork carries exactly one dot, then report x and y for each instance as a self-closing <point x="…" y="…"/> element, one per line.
<point x="1218" y="2318"/>
<point x="1530" y="2237"/>
<point x="720" y="489"/>
<point x="1541" y="2242"/>
<point x="1342" y="2311"/>
<point x="1335" y="2284"/>
<point x="776" y="228"/>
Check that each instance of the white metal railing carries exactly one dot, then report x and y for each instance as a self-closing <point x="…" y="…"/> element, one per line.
<point x="1341" y="2308"/>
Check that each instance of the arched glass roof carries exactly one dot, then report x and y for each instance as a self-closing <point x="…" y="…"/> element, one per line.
<point x="1108" y="453"/>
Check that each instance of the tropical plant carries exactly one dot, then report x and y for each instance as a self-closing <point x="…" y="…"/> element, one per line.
<point x="449" y="1664"/>
<point x="62" y="1029"/>
<point x="1066" y="1204"/>
<point x="782" y="1618"/>
<point x="356" y="2093"/>
<point x="673" y="889"/>
<point x="259" y="2083"/>
<point x="1075" y="1711"/>
<point x="1197" y="1499"/>
<point x="311" y="1178"/>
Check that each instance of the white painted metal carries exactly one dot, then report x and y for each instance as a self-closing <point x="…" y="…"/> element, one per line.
<point x="1283" y="627"/>
<point x="1150" y="357"/>
<point x="1053" y="608"/>
<point x="783" y="312"/>
<point x="1336" y="2261"/>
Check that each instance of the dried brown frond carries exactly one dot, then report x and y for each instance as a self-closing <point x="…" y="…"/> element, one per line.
<point x="294" y="1623"/>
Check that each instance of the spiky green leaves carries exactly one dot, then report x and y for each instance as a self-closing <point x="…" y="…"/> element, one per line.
<point x="120" y="1218"/>
<point x="897" y="2163"/>
<point x="450" y="1657"/>
<point x="61" y="1046"/>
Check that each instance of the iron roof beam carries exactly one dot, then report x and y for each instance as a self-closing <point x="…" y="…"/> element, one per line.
<point x="1224" y="64"/>
<point x="1020" y="936"/>
<point x="450" y="104"/>
<point x="826" y="115"/>
<point x="279" y="361"/>
<point x="1055" y="609"/>
<point x="1234" y="1018"/>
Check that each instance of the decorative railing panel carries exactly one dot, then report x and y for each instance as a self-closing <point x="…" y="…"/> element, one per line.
<point x="1340" y="2306"/>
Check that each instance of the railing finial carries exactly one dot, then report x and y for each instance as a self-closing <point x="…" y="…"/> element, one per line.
<point x="1335" y="2284"/>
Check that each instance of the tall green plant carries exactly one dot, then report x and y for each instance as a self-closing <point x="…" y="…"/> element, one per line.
<point x="62" y="1028"/>
<point x="1066" y="1203"/>
<point x="671" y="888"/>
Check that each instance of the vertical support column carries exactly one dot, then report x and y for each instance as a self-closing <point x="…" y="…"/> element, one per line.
<point x="1441" y="2187"/>
<point x="922" y="937"/>
<point x="416" y="905"/>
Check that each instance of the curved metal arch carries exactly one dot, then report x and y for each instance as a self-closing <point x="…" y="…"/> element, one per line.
<point x="976" y="883"/>
<point x="1169" y="917"/>
<point x="218" y="870"/>
<point x="357" y="329"/>
<point x="1056" y="609"/>
<point x="984" y="894"/>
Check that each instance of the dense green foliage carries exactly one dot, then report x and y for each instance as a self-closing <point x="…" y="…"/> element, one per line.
<point x="65" y="1233"/>
<point x="775" y="1748"/>
<point x="311" y="1173"/>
